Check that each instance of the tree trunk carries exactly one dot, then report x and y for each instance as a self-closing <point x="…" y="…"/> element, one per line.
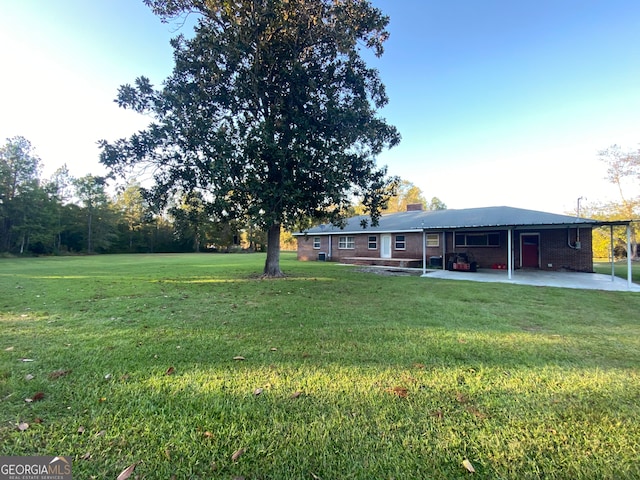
<point x="272" y="265"/>
<point x="90" y="221"/>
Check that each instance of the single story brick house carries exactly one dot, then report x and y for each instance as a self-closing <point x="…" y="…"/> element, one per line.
<point x="465" y="239"/>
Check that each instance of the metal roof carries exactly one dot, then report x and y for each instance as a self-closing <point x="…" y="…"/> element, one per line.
<point x="469" y="218"/>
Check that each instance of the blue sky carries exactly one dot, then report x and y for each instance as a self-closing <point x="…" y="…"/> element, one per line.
<point x="498" y="102"/>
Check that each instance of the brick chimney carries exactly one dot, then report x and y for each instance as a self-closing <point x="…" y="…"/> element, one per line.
<point x="414" y="207"/>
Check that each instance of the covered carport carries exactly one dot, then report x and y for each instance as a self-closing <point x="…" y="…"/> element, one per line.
<point x="611" y="224"/>
<point x="510" y="229"/>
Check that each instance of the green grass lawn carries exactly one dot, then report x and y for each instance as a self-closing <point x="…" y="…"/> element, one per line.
<point x="346" y="375"/>
<point x="620" y="269"/>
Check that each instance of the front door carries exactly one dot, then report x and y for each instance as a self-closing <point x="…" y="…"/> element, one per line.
<point x="385" y="246"/>
<point x="530" y="251"/>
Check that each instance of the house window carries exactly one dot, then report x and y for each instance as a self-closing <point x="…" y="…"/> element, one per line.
<point x="373" y="242"/>
<point x="477" y="239"/>
<point x="346" y="242"/>
<point x="433" y="240"/>
<point x="316" y="242"/>
<point x="400" y="242"/>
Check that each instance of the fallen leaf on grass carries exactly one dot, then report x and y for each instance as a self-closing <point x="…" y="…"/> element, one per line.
<point x="27" y="360"/>
<point x="86" y="456"/>
<point x="8" y="349"/>
<point x="295" y="394"/>
<point x="208" y="434"/>
<point x="399" y="391"/>
<point x="236" y="455"/>
<point x="170" y="371"/>
<point x="477" y="413"/>
<point x="80" y="430"/>
<point x="36" y="397"/>
<point x="126" y="473"/>
<point x="258" y="391"/>
<point x="274" y="349"/>
<point x="59" y="373"/>
<point x="239" y="358"/>
<point x="467" y="464"/>
<point x="419" y="365"/>
<point x="22" y="426"/>
<point x="438" y="414"/>
<point x="29" y="377"/>
<point x="462" y="398"/>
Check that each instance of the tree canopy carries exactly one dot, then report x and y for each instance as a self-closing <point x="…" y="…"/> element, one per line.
<point x="623" y="171"/>
<point x="270" y="113"/>
<point x="408" y="193"/>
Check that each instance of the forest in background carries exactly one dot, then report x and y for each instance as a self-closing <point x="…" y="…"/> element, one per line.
<point x="68" y="215"/>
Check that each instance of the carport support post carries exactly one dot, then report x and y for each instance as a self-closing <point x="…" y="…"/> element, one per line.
<point x="629" y="256"/>
<point x="509" y="253"/>
<point x="613" y="259"/>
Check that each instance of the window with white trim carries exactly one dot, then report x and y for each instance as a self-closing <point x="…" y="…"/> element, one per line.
<point x="433" y="240"/>
<point x="401" y="243"/>
<point x="373" y="242"/>
<point x="316" y="243"/>
<point x="346" y="243"/>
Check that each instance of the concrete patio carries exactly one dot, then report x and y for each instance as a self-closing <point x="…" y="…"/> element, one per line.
<point x="587" y="281"/>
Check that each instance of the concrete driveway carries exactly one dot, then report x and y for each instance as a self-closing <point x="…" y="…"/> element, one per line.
<point x="587" y="281"/>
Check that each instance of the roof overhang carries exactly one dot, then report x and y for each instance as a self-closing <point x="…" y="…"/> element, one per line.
<point x="448" y="228"/>
<point x="529" y="226"/>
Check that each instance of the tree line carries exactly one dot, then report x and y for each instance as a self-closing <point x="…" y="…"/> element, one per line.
<point x="65" y="215"/>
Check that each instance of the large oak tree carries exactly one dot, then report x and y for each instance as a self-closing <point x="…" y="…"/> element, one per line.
<point x="270" y="113"/>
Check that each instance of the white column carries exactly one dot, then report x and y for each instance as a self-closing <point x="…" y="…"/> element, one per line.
<point x="509" y="253"/>
<point x="629" y="276"/>
<point x="612" y="254"/>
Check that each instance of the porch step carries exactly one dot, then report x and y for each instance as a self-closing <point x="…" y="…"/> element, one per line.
<point x="384" y="262"/>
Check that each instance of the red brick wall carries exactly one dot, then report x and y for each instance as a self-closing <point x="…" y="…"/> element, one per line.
<point x="413" y="247"/>
<point x="305" y="247"/>
<point x="555" y="250"/>
<point x="485" y="257"/>
<point x="553" y="247"/>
